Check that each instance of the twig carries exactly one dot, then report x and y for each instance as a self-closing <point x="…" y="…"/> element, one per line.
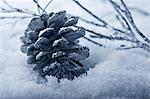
<point x="39" y="7"/>
<point x="104" y="23"/>
<point x="126" y="48"/>
<point x="140" y="11"/>
<point x="47" y="5"/>
<point x="90" y="22"/>
<point x="99" y="35"/>
<point x="7" y="4"/>
<point x="127" y="33"/>
<point x="132" y="22"/>
<point x="129" y="17"/>
<point x="93" y="41"/>
<point x="15" y="17"/>
<point x="14" y="9"/>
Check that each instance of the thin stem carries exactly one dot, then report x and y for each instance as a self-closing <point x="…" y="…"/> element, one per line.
<point x="47" y="5"/>
<point x="14" y="9"/>
<point x="93" y="41"/>
<point x="103" y="22"/>
<point x="15" y="17"/>
<point x="90" y="22"/>
<point x="39" y="6"/>
<point x="99" y="35"/>
<point x="129" y="17"/>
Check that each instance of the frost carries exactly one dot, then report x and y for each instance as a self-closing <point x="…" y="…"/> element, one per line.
<point x="51" y="44"/>
<point x="117" y="74"/>
<point x="71" y="21"/>
<point x="36" y="24"/>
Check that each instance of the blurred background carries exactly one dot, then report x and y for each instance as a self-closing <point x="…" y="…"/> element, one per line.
<point x="115" y="74"/>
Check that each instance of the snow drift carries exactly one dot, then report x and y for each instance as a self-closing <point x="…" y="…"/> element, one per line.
<point x="123" y="74"/>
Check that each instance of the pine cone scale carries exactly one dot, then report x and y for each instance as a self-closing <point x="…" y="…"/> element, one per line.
<point x="52" y="45"/>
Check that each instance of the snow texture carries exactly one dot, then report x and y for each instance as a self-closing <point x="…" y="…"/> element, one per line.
<point x="123" y="74"/>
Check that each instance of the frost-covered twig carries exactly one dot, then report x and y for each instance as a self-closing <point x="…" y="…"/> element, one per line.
<point x="104" y="23"/>
<point x="127" y="33"/>
<point x="31" y="13"/>
<point x="129" y="19"/>
<point x="14" y="17"/>
<point x="140" y="11"/>
<point x="39" y="7"/>
<point x="47" y="5"/>
<point x="14" y="9"/>
<point x="11" y="9"/>
<point x="101" y="36"/>
<point x="93" y="41"/>
<point x="90" y="22"/>
<point x="25" y="11"/>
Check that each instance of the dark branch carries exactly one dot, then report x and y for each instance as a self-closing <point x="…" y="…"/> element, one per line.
<point x="129" y="18"/>
<point x="93" y="41"/>
<point x="47" y="5"/>
<point x="39" y="7"/>
<point x="102" y="21"/>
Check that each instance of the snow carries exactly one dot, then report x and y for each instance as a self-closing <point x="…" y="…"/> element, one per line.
<point x="116" y="74"/>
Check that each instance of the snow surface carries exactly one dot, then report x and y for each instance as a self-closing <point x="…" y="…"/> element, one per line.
<point x="123" y="74"/>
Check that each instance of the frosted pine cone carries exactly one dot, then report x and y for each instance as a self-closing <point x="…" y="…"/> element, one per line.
<point x="51" y="44"/>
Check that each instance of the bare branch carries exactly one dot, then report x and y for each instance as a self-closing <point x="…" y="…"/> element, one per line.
<point x="126" y="33"/>
<point x="127" y="48"/>
<point x="90" y="22"/>
<point x="93" y="41"/>
<point x="7" y="4"/>
<point x="47" y="5"/>
<point x="14" y="9"/>
<point x="140" y="11"/>
<point x="99" y="35"/>
<point x="39" y="7"/>
<point x="129" y="18"/>
<point x="104" y="23"/>
<point x="15" y="17"/>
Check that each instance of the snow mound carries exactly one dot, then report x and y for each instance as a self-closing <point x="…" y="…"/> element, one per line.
<point x="114" y="74"/>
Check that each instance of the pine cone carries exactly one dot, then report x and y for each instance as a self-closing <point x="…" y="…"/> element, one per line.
<point x="52" y="45"/>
